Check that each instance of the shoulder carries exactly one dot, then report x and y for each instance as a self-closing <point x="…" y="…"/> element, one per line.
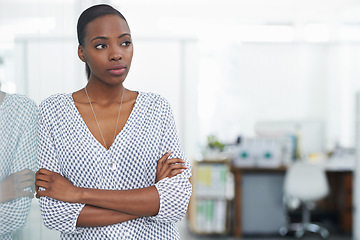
<point x="54" y="101"/>
<point x="55" y="107"/>
<point x="155" y="106"/>
<point x="153" y="99"/>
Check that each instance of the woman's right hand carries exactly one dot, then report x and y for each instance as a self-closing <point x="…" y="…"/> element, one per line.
<point x="55" y="186"/>
<point x="169" y="167"/>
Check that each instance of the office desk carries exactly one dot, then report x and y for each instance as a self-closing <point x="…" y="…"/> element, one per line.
<point x="339" y="199"/>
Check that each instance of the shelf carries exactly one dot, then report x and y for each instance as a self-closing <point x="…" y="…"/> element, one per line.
<point x="210" y="202"/>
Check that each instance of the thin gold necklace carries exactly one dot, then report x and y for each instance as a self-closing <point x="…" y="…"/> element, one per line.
<point x="117" y="121"/>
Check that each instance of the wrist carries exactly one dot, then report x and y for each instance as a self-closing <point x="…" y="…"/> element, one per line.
<point x="79" y="195"/>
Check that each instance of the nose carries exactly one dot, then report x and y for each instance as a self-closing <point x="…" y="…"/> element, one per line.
<point x="115" y="55"/>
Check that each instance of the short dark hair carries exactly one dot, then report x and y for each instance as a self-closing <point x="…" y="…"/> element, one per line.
<point x="89" y="15"/>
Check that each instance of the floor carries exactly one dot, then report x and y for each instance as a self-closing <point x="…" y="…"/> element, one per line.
<point x="308" y="237"/>
<point x="186" y="235"/>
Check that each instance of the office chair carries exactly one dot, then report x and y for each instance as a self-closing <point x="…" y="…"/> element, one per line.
<point x="304" y="184"/>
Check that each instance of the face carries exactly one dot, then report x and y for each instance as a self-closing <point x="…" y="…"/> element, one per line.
<point x="107" y="49"/>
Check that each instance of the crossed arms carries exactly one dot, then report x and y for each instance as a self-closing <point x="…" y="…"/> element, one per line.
<point x="107" y="207"/>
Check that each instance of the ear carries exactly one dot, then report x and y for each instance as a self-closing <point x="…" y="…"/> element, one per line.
<point x="81" y="53"/>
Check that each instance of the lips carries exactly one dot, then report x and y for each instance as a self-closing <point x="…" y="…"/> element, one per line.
<point x="117" y="70"/>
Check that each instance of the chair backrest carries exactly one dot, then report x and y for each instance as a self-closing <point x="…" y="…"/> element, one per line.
<point x="306" y="181"/>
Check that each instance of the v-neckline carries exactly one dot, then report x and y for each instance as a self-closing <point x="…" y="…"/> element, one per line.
<point x="90" y="133"/>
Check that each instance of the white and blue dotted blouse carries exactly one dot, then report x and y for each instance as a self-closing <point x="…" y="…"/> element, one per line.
<point x="67" y="146"/>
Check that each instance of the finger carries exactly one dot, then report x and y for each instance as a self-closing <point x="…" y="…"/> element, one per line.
<point x="45" y="178"/>
<point x="159" y="177"/>
<point x="43" y="191"/>
<point x="160" y="163"/>
<point x="158" y="167"/>
<point x="164" y="157"/>
<point x="40" y="194"/>
<point x="175" y="172"/>
<point x="42" y="184"/>
<point x="172" y="164"/>
<point x="161" y="171"/>
<point x="173" y="167"/>
<point x="44" y="171"/>
<point x="177" y="167"/>
<point x="174" y="161"/>
<point x="171" y="171"/>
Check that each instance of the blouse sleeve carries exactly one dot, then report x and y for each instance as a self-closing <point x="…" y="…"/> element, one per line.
<point x="13" y="214"/>
<point x="174" y="192"/>
<point x="58" y="215"/>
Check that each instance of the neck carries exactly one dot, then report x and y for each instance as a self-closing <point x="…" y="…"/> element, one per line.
<point x="104" y="94"/>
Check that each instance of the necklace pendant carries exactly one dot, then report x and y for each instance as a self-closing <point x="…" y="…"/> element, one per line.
<point x="113" y="166"/>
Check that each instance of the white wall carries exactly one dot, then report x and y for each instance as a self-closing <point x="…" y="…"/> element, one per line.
<point x="51" y="66"/>
<point x="169" y="67"/>
<point x="252" y="82"/>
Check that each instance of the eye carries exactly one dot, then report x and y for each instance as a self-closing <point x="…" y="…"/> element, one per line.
<point x="126" y="43"/>
<point x="100" y="46"/>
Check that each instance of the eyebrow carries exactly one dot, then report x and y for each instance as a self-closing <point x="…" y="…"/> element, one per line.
<point x="105" y="38"/>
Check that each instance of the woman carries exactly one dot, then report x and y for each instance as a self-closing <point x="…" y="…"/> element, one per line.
<point x="106" y="167"/>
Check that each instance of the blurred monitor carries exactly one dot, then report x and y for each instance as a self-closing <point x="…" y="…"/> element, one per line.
<point x="309" y="134"/>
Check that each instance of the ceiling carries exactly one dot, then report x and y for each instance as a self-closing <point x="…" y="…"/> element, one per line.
<point x="242" y="10"/>
<point x="184" y="14"/>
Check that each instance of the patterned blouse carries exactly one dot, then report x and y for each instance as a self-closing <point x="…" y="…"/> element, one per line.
<point x="18" y="121"/>
<point x="67" y="146"/>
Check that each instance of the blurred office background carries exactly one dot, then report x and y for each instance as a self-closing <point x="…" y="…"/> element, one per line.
<point x="245" y="75"/>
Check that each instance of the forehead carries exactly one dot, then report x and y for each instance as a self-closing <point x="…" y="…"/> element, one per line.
<point x="107" y="25"/>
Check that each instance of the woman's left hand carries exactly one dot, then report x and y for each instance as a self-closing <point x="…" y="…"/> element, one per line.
<point x="55" y="186"/>
<point x="169" y="167"/>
